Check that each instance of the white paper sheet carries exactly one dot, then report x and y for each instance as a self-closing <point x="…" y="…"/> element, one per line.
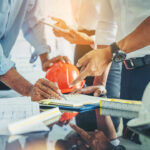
<point x="14" y="109"/>
<point x="34" y="123"/>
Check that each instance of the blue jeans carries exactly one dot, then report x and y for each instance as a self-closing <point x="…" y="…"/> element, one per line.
<point x="133" y="84"/>
<point x="113" y="87"/>
<point x="87" y="120"/>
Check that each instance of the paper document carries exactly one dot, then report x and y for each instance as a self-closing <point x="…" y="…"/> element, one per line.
<point x="14" y="109"/>
<point x="35" y="123"/>
<point x="76" y="100"/>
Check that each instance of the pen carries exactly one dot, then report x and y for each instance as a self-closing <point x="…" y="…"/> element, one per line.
<point x="62" y="95"/>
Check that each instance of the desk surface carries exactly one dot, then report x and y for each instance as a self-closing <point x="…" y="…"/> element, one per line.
<point x="48" y="140"/>
<point x="63" y="136"/>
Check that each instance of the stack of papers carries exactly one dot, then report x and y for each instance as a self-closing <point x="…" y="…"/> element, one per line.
<point x="35" y="123"/>
<point x="19" y="115"/>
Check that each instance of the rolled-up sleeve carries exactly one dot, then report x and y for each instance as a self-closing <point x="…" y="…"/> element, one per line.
<point x="34" y="31"/>
<point x="5" y="63"/>
<point x="106" y="28"/>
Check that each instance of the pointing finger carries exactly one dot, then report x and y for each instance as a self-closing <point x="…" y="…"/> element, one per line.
<point x="81" y="77"/>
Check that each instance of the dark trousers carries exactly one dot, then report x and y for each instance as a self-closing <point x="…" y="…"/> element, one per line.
<point x="133" y="84"/>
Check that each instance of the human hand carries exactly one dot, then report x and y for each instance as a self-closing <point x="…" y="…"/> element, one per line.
<point x="96" y="140"/>
<point x="46" y="63"/>
<point x="94" y="63"/>
<point x="71" y="35"/>
<point x="96" y="90"/>
<point x="44" y="89"/>
<point x="60" y="23"/>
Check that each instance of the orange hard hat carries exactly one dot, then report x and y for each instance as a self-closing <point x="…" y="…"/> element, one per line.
<point x="63" y="74"/>
<point x="67" y="116"/>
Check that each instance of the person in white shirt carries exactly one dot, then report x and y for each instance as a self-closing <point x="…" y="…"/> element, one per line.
<point x="131" y="19"/>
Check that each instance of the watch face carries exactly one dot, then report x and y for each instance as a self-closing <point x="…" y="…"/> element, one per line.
<point x="120" y="56"/>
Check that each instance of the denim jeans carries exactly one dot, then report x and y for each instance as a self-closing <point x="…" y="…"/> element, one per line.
<point x="87" y="120"/>
<point x="113" y="87"/>
<point x="133" y="84"/>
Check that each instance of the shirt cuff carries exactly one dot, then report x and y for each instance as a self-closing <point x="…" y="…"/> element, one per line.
<point x="38" y="51"/>
<point x="5" y="65"/>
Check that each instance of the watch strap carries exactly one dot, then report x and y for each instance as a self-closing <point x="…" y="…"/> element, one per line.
<point x="114" y="48"/>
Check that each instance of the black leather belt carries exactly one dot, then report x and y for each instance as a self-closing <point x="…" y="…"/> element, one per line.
<point x="133" y="63"/>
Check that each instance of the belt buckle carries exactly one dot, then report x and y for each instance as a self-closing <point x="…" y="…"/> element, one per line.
<point x="131" y="64"/>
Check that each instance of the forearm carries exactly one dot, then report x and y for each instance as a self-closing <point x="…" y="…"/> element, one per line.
<point x="15" y="81"/>
<point x="139" y="38"/>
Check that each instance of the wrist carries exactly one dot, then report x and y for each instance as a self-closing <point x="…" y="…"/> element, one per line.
<point x="44" y="57"/>
<point x="117" y="54"/>
<point x="29" y="90"/>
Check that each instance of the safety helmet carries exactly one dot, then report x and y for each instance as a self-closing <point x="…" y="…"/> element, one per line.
<point x="68" y="116"/>
<point x="64" y="74"/>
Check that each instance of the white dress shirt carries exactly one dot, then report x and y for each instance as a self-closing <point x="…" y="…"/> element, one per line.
<point x="85" y="13"/>
<point x="118" y="18"/>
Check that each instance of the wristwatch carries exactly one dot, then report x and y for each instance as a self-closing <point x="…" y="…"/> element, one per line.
<point x="119" y="147"/>
<point x="117" y="54"/>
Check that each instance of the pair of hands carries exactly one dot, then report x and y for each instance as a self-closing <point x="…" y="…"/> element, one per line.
<point x="97" y="90"/>
<point x="93" y="63"/>
<point x="71" y="35"/>
<point x="43" y="88"/>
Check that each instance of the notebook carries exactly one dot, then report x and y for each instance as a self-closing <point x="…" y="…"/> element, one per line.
<point x="75" y="100"/>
